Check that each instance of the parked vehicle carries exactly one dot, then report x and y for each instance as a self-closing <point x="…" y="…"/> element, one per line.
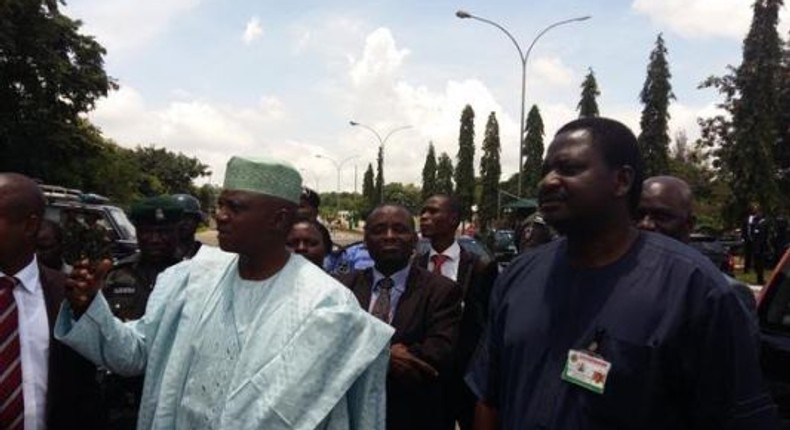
<point x="65" y="205"/>
<point x="773" y="313"/>
<point x="504" y="246"/>
<point x="716" y="250"/>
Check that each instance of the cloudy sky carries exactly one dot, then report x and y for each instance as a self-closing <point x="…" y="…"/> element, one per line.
<point x="215" y="78"/>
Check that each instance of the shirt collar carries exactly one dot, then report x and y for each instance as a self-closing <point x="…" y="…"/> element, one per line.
<point x="398" y="278"/>
<point x="453" y="252"/>
<point x="28" y="277"/>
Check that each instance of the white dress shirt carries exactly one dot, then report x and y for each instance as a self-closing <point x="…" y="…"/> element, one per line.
<point x="450" y="266"/>
<point x="34" y="343"/>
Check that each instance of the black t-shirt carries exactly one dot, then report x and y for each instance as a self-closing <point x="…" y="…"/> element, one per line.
<point x="682" y="349"/>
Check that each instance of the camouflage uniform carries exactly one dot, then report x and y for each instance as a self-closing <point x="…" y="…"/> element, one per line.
<point x="127" y="288"/>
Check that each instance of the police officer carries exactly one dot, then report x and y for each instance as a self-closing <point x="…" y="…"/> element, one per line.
<point x="128" y="286"/>
<point x="188" y="246"/>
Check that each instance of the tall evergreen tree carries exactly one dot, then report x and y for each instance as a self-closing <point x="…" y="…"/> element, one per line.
<point x="429" y="173"/>
<point x="533" y="152"/>
<point x="747" y="141"/>
<point x="444" y="175"/>
<point x="588" y="106"/>
<point x="464" y="168"/>
<point x="782" y="152"/>
<point x="655" y="95"/>
<point x="380" y="176"/>
<point x="490" y="172"/>
<point x="369" y="189"/>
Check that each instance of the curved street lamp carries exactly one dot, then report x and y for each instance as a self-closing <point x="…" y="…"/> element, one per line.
<point x="523" y="56"/>
<point x="382" y="142"/>
<point x="339" y="167"/>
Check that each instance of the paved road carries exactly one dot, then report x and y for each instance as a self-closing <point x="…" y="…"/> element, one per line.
<point x="340" y="237"/>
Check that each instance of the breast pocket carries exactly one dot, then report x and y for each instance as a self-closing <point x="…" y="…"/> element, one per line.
<point x="629" y="395"/>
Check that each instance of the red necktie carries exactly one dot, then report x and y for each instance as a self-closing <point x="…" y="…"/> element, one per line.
<point x="438" y="262"/>
<point x="12" y="406"/>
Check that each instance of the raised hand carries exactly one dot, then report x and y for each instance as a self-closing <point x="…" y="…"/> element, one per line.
<point x="84" y="282"/>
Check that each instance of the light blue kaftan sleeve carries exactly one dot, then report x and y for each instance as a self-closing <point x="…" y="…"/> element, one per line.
<point x="108" y="342"/>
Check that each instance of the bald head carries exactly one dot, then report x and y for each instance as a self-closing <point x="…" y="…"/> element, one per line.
<point x="21" y="210"/>
<point x="666" y="207"/>
<point x="23" y="194"/>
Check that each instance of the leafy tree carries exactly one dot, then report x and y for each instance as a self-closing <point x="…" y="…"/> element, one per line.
<point x="49" y="75"/>
<point x="167" y="172"/>
<point x="429" y="173"/>
<point x="444" y="175"/>
<point x="380" y="176"/>
<point x="689" y="162"/>
<point x="408" y="195"/>
<point x="465" y="169"/>
<point x="490" y="172"/>
<point x="746" y="142"/>
<point x="655" y="95"/>
<point x="588" y="106"/>
<point x="369" y="189"/>
<point x="533" y="153"/>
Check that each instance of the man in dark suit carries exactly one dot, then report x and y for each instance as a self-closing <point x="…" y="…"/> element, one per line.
<point x="439" y="221"/>
<point x="44" y="384"/>
<point x="424" y="309"/>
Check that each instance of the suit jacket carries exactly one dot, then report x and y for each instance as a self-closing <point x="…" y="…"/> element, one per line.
<point x="72" y="390"/>
<point x="426" y="321"/>
<point x="476" y="278"/>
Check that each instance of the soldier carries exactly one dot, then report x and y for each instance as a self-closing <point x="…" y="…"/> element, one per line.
<point x="188" y="246"/>
<point x="128" y="286"/>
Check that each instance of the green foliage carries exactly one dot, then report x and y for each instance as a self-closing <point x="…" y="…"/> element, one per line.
<point x="369" y="189"/>
<point x="748" y="142"/>
<point x="465" y="169"/>
<point x="166" y="172"/>
<point x="444" y="175"/>
<point x="533" y="153"/>
<point x="588" y="106"/>
<point x="408" y="195"/>
<point x="689" y="164"/>
<point x="490" y="172"/>
<point x="380" y="176"/>
<point x="49" y="75"/>
<point x="207" y="195"/>
<point x="655" y="95"/>
<point x="429" y="173"/>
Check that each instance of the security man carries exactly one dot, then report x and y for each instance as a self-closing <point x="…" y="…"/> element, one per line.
<point x="188" y="246"/>
<point x="128" y="286"/>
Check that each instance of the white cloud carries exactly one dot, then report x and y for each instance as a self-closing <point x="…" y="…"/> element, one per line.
<point x="252" y="31"/>
<point x="380" y="59"/>
<point x="550" y="71"/>
<point x="123" y="25"/>
<point x="204" y="129"/>
<point x="704" y="18"/>
<point x="301" y="41"/>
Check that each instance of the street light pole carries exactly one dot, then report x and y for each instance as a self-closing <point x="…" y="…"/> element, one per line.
<point x="339" y="167"/>
<point x="381" y="142"/>
<point x="524" y="57"/>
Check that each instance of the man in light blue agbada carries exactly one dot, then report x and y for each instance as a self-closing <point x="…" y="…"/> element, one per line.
<point x="246" y="337"/>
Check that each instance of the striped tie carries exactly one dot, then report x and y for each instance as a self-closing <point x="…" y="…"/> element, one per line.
<point x="12" y="407"/>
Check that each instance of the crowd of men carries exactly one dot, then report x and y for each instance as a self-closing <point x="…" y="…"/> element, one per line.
<point x="607" y="319"/>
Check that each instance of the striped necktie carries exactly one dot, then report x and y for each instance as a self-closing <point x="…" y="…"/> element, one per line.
<point x="381" y="309"/>
<point x="12" y="406"/>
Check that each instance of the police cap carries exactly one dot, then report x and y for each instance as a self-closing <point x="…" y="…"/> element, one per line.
<point x="154" y="211"/>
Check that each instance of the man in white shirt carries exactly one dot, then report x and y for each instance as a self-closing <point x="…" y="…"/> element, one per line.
<point x="439" y="221"/>
<point x="43" y="383"/>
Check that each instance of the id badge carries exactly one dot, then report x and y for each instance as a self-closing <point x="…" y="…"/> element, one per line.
<point x="586" y="370"/>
